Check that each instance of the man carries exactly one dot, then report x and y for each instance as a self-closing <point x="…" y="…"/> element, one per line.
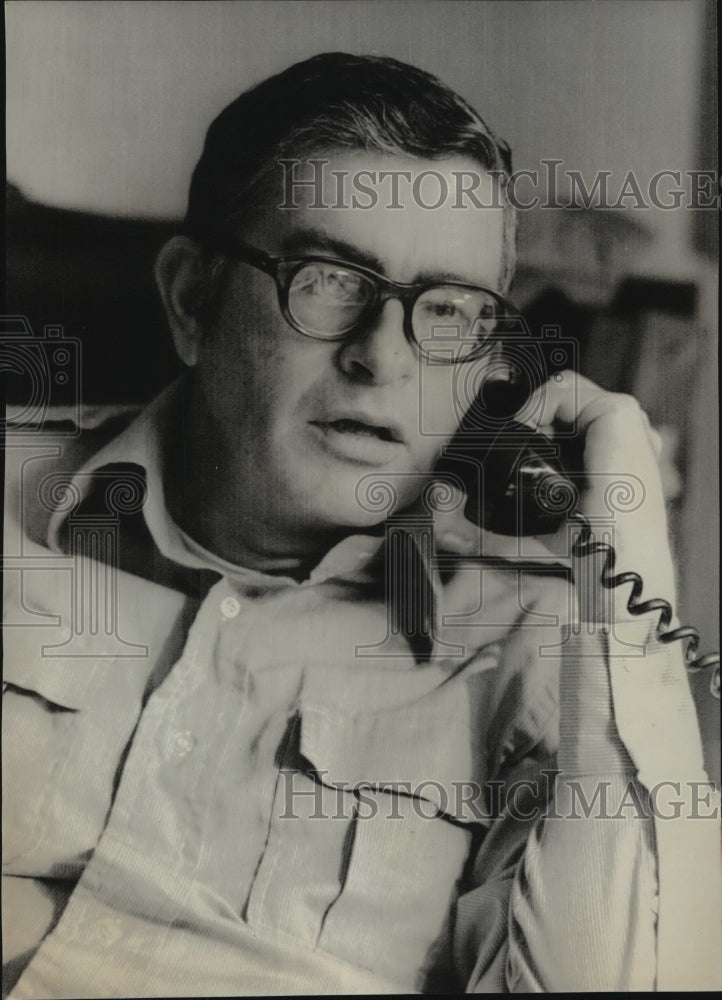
<point x="329" y="744"/>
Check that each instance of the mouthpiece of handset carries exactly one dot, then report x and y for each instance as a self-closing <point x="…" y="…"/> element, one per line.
<point x="512" y="481"/>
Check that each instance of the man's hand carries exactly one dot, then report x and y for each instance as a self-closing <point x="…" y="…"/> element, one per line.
<point x="618" y="445"/>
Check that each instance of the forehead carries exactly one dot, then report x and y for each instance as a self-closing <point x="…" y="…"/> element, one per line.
<point x="407" y="217"/>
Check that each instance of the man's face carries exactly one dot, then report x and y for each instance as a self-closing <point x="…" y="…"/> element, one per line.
<point x="297" y="423"/>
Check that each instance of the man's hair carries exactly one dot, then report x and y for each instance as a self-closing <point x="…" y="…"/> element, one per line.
<point x="335" y="101"/>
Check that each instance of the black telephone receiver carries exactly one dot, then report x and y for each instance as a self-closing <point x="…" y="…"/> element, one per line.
<point x="515" y="486"/>
<point x="513" y="482"/>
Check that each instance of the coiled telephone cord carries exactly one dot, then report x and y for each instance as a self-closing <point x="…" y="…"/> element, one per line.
<point x="586" y="545"/>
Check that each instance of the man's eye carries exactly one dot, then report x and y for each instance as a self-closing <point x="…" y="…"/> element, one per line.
<point x="446" y="311"/>
<point x="442" y="310"/>
<point x="341" y="286"/>
<point x="309" y="281"/>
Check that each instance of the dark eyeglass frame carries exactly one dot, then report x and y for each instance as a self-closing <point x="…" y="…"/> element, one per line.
<point x="284" y="269"/>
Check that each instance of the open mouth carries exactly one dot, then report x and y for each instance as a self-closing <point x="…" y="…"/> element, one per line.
<point x="358" y="427"/>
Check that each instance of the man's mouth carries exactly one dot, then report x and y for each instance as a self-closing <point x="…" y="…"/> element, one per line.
<point x="347" y="426"/>
<point x="361" y="439"/>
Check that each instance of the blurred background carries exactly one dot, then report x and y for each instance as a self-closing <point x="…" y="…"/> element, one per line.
<point x="107" y="106"/>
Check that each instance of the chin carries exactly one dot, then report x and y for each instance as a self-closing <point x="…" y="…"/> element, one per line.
<point x="360" y="501"/>
<point x="334" y="516"/>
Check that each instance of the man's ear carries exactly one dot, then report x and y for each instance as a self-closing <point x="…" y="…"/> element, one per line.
<point x="180" y="276"/>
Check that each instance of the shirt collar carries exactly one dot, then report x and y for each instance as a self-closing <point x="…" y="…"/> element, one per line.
<point x="141" y="444"/>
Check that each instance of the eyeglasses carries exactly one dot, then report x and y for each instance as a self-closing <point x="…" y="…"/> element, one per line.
<point x="329" y="299"/>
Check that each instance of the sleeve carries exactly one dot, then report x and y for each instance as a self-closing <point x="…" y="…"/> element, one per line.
<point x="600" y="871"/>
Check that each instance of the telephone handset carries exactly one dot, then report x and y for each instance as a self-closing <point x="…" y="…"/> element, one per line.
<point x="513" y="481"/>
<point x="515" y="485"/>
<point x="506" y="478"/>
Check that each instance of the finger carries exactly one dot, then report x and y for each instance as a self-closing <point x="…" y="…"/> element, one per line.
<point x="558" y="400"/>
<point x="572" y="401"/>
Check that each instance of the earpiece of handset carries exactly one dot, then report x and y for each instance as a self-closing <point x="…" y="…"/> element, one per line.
<point x="513" y="484"/>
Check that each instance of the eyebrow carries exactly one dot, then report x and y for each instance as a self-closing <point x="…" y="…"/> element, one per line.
<point x="310" y="240"/>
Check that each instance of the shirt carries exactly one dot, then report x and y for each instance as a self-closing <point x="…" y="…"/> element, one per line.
<point x="224" y="782"/>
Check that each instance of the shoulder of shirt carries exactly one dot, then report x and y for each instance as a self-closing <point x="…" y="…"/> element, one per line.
<point x="54" y="443"/>
<point x="529" y="602"/>
<point x="70" y="421"/>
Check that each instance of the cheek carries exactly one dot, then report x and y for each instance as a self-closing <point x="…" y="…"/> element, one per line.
<point x="440" y="404"/>
<point x="243" y="357"/>
<point x="445" y="395"/>
<point x="458" y="387"/>
<point x="258" y="381"/>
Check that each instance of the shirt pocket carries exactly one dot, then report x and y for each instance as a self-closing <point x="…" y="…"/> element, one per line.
<point x="38" y="729"/>
<point x="65" y="725"/>
<point x="369" y="834"/>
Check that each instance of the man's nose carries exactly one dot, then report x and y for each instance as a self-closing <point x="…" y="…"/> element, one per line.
<point x="380" y="354"/>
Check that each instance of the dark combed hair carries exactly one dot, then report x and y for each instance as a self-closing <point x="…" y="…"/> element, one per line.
<point x="334" y="101"/>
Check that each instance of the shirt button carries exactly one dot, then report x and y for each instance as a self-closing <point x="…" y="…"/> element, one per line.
<point x="183" y="743"/>
<point x="230" y="607"/>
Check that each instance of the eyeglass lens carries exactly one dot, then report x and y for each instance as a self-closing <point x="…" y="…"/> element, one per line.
<point x="327" y="300"/>
<point x="450" y="321"/>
